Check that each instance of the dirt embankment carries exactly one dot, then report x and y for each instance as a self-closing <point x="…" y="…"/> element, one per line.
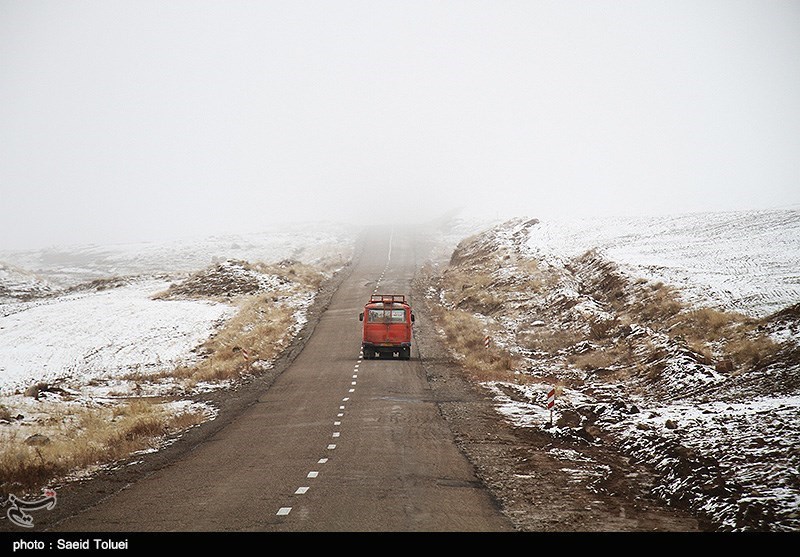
<point x="544" y="482"/>
<point x="658" y="401"/>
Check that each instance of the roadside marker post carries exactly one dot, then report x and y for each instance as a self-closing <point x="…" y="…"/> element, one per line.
<point x="551" y="402"/>
<point x="246" y="356"/>
<point x="486" y="341"/>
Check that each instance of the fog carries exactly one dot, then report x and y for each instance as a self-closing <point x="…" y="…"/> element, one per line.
<point x="125" y="121"/>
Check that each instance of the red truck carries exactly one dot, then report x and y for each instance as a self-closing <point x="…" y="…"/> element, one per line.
<point x="386" y="331"/>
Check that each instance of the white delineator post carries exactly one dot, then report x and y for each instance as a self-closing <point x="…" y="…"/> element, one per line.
<point x="486" y="341"/>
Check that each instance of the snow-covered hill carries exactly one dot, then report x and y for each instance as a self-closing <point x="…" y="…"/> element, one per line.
<point x="745" y="261"/>
<point x="55" y="325"/>
<point x="68" y="266"/>
<point x="704" y="389"/>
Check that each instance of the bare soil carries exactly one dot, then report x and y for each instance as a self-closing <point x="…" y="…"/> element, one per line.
<point x="535" y="489"/>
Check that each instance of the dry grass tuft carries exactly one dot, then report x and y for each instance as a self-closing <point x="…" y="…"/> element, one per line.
<point x="87" y="438"/>
<point x="262" y="328"/>
<point x="549" y="340"/>
<point x="747" y="352"/>
<point x="465" y="336"/>
<point x="731" y="338"/>
<point x="594" y="360"/>
<point x="656" y="305"/>
<point x="464" y="288"/>
<point x="602" y="329"/>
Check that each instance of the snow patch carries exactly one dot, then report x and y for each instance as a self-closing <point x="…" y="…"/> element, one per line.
<point x="81" y="337"/>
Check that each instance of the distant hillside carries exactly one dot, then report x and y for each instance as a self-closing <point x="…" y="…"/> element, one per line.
<point x="747" y="261"/>
<point x="21" y="284"/>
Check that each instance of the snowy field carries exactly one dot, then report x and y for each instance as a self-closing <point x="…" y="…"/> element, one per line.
<point x="59" y="267"/>
<point x="85" y="336"/>
<point x="742" y="261"/>
<point x="81" y="316"/>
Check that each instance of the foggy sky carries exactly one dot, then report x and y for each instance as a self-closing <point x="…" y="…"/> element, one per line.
<point x="146" y="120"/>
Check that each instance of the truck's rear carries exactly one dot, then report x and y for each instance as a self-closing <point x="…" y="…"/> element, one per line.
<point x="387" y="327"/>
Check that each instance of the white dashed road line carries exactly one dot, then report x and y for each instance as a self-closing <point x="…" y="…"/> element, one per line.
<point x="284" y="511"/>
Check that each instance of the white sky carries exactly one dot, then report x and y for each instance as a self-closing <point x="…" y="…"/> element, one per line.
<point x="146" y="120"/>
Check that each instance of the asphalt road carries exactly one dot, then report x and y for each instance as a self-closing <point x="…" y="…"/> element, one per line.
<point x="336" y="443"/>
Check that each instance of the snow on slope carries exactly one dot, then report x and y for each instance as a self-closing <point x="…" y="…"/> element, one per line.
<point x="745" y="261"/>
<point x="15" y="283"/>
<point x="48" y="334"/>
<point x="87" y="335"/>
<point x="728" y="448"/>
<point x="67" y="266"/>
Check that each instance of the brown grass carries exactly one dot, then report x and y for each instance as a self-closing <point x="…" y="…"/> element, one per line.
<point x="706" y="323"/>
<point x="549" y="340"/>
<point x="729" y="339"/>
<point x="595" y="359"/>
<point x="217" y="283"/>
<point x="602" y="330"/>
<point x="307" y="275"/>
<point x="656" y="305"/>
<point x="741" y="343"/>
<point x="475" y="289"/>
<point x="617" y="358"/>
<point x="750" y="352"/>
<point x="465" y="334"/>
<point x="262" y="327"/>
<point x="85" y="438"/>
<point x="458" y="282"/>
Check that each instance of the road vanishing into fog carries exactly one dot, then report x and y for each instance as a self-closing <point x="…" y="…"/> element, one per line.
<point x="336" y="443"/>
